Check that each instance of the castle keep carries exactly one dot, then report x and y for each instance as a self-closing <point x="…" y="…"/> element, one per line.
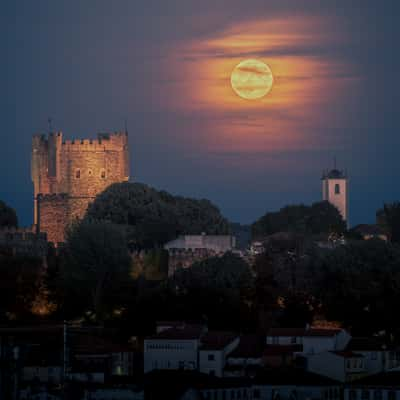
<point x="67" y="176"/>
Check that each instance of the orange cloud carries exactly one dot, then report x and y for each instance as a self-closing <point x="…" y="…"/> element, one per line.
<point x="307" y="82"/>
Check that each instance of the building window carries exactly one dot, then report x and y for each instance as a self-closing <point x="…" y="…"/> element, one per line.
<point x="78" y="174"/>
<point x="293" y="340"/>
<point x="256" y="394"/>
<point x="391" y="395"/>
<point x="374" y="355"/>
<point x="211" y="357"/>
<point x="103" y="174"/>
<point x="337" y="188"/>
<point x="90" y="172"/>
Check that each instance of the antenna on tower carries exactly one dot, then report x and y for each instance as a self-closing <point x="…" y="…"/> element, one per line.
<point x="49" y="122"/>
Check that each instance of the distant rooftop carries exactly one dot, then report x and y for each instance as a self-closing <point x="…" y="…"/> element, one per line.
<point x="186" y="332"/>
<point x="217" y="340"/>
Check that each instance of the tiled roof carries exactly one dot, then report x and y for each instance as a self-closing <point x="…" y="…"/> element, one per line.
<point x="188" y="332"/>
<point x="217" y="340"/>
<point x="82" y="343"/>
<point x="250" y="346"/>
<point x="289" y="332"/>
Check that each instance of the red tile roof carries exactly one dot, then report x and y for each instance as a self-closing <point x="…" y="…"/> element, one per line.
<point x="188" y="332"/>
<point x="289" y="332"/>
<point x="217" y="340"/>
<point x="250" y="346"/>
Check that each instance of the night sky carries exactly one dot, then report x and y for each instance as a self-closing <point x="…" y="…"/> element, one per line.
<point x="165" y="67"/>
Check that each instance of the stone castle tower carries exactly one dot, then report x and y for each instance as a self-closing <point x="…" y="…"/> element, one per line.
<point x="67" y="176"/>
<point x="335" y="190"/>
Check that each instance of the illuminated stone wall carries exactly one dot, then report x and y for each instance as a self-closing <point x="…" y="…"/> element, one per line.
<point x="76" y="169"/>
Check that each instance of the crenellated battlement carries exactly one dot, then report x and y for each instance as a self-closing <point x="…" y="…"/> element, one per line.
<point x="68" y="174"/>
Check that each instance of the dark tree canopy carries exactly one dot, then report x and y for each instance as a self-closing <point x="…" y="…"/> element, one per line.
<point x="8" y="216"/>
<point x="320" y="217"/>
<point x="96" y="263"/>
<point x="226" y="272"/>
<point x="153" y="217"/>
<point x="389" y="218"/>
<point x="359" y="284"/>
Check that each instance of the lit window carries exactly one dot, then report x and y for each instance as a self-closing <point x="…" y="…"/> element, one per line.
<point x="78" y="174"/>
<point x="337" y="188"/>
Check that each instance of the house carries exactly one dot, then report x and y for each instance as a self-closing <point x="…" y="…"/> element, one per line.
<point x="292" y="384"/>
<point x="173" y="348"/>
<point x="277" y="356"/>
<point x="113" y="391"/>
<point x="214" y="349"/>
<point x="94" y="358"/>
<point x="382" y="386"/>
<point x="188" y="249"/>
<point x="317" y="340"/>
<point x="285" y="336"/>
<point x="343" y="366"/>
<point x="379" y="356"/>
<point x="314" y="340"/>
<point x="246" y="359"/>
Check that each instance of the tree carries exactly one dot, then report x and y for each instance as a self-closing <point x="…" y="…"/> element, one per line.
<point x="226" y="272"/>
<point x="19" y="284"/>
<point x="8" y="216"/>
<point x="389" y="218"/>
<point x="151" y="217"/>
<point x="96" y="263"/>
<point x="320" y="217"/>
<point x="359" y="285"/>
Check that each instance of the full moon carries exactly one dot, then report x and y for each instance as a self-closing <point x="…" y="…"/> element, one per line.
<point x="251" y="79"/>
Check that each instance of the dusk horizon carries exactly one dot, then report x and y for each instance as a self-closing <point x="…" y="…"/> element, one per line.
<point x="166" y="70"/>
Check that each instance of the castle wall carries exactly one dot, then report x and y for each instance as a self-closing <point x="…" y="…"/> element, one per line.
<point x="53" y="216"/>
<point x="79" y="169"/>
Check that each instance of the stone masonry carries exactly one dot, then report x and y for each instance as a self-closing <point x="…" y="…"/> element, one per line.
<point x="67" y="176"/>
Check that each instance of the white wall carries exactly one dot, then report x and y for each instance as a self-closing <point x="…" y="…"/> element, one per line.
<point x="319" y="344"/>
<point x="170" y="354"/>
<point x="217" y="365"/>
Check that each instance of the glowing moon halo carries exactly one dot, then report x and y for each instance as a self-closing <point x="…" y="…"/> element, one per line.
<point x="251" y="79"/>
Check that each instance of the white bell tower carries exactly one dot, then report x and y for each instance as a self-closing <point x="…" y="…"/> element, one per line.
<point x="335" y="190"/>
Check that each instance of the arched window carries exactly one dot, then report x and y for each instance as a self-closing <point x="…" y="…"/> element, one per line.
<point x="337" y="188"/>
<point x="103" y="174"/>
<point x="90" y="172"/>
<point x="77" y="173"/>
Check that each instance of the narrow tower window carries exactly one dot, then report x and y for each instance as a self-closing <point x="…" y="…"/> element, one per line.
<point x="103" y="173"/>
<point x="337" y="188"/>
<point x="78" y="174"/>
